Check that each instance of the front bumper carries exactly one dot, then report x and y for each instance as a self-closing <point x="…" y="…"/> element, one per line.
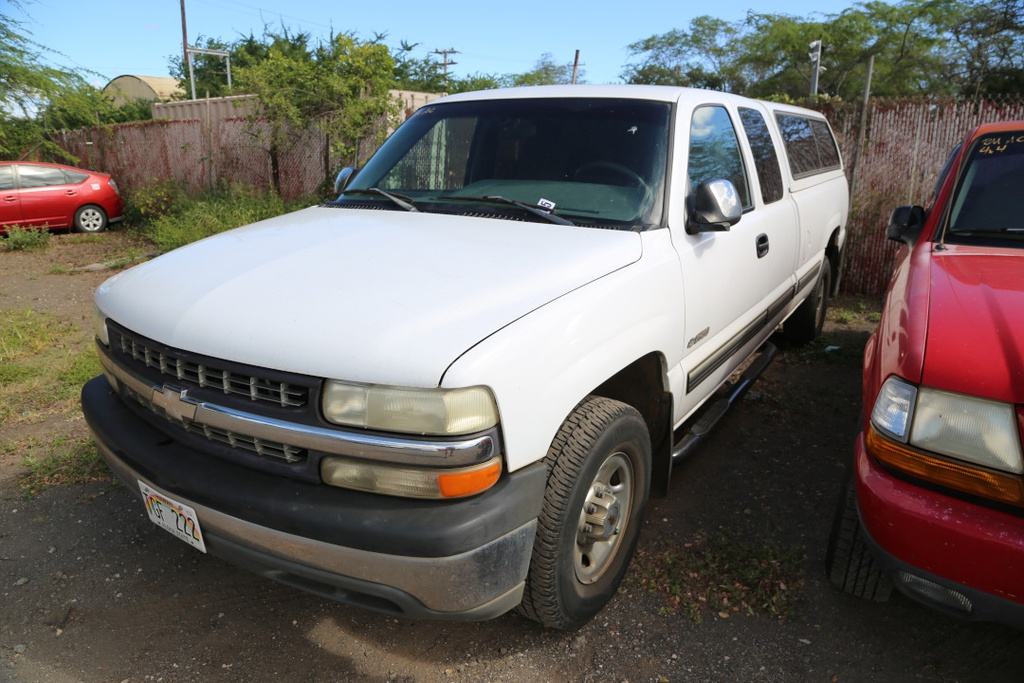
<point x="464" y="559"/>
<point x="917" y="533"/>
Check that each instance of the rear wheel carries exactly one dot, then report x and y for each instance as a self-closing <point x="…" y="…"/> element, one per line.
<point x="850" y="565"/>
<point x="808" y="319"/>
<point x="598" y="484"/>
<point x="90" y="218"/>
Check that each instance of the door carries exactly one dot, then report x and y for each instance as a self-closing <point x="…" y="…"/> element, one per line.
<point x="46" y="197"/>
<point x="10" y="201"/>
<point x="734" y="279"/>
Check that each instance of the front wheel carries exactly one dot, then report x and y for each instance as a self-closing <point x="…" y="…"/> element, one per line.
<point x="598" y="484"/>
<point x="849" y="563"/>
<point x="90" y="218"/>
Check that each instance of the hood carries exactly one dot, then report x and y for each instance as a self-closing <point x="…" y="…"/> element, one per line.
<point x="975" y="339"/>
<point x="373" y="296"/>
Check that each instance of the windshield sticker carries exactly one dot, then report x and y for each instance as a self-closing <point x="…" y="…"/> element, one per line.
<point x="999" y="144"/>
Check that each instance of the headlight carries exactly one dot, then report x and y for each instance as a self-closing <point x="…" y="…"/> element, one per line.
<point x="978" y="439"/>
<point x="972" y="429"/>
<point x="99" y="325"/>
<point x="437" y="412"/>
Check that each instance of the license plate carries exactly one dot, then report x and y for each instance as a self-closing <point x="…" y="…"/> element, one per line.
<point x="173" y="516"/>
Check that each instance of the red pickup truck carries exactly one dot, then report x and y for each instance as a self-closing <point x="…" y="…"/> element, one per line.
<point x="935" y="503"/>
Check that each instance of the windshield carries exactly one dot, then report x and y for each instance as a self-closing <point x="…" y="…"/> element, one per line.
<point x="986" y="206"/>
<point x="589" y="161"/>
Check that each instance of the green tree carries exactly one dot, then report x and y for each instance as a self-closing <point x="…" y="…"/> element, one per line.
<point x="26" y="84"/>
<point x="988" y="47"/>
<point x="919" y="47"/>
<point x="339" y="87"/>
<point x="477" y="81"/>
<point x="703" y="57"/>
<point x="85" y="106"/>
<point x="545" y="72"/>
<point x="422" y="74"/>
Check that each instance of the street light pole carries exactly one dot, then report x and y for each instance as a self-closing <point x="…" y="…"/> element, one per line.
<point x="815" y="55"/>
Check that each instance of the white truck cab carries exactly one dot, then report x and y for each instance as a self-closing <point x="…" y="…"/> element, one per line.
<point x="450" y="392"/>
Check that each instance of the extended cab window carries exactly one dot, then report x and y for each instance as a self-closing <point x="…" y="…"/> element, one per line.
<point x="982" y="207"/>
<point x="715" y="151"/>
<point x="766" y="159"/>
<point x="588" y="161"/>
<point x="810" y="146"/>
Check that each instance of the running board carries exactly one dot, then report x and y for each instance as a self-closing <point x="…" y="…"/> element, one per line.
<point x="694" y="431"/>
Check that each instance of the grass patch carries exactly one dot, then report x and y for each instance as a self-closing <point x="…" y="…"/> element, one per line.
<point x="24" y="332"/>
<point x="43" y="364"/>
<point x="59" y="462"/>
<point x="25" y="238"/>
<point x="723" y="575"/>
<point x="194" y="218"/>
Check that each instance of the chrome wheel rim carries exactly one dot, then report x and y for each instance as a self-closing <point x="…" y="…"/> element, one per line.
<point x="90" y="220"/>
<point x="604" y="515"/>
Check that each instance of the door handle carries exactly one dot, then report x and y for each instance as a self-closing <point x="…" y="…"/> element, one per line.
<point x="762" y="245"/>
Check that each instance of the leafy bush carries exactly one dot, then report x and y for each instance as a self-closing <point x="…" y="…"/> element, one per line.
<point x="198" y="217"/>
<point x="26" y="239"/>
<point x="154" y="201"/>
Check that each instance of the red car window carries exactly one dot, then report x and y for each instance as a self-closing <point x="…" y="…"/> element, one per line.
<point x="40" y="176"/>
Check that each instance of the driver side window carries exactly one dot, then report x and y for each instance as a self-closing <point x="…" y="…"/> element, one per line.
<point x="715" y="151"/>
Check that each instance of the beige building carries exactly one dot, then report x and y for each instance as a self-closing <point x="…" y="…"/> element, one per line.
<point x="128" y="88"/>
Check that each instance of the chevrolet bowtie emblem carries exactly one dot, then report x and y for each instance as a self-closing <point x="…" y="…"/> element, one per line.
<point x="175" y="403"/>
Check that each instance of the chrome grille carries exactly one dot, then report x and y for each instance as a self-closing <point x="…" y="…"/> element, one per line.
<point x="209" y="376"/>
<point x="262" y="447"/>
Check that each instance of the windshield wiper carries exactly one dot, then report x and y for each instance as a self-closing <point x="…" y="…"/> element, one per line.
<point x="397" y="199"/>
<point x="535" y="209"/>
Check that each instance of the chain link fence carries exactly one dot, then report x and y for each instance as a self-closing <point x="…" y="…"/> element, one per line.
<point x="895" y="162"/>
<point x="906" y="142"/>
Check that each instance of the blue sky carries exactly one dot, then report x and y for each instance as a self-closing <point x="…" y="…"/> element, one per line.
<point x="115" y="37"/>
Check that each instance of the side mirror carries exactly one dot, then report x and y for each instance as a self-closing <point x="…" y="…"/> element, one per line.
<point x="715" y="207"/>
<point x="345" y="176"/>
<point x="905" y="224"/>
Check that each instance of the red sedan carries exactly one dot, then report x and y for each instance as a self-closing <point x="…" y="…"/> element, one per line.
<point x="56" y="196"/>
<point x="935" y="506"/>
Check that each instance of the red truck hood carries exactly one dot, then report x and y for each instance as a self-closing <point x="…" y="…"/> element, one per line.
<point x="976" y="322"/>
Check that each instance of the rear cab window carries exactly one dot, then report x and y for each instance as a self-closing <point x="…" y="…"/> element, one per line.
<point x="766" y="159"/>
<point x="810" y="146"/>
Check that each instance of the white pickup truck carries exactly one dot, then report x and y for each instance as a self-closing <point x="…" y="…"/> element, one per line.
<point x="450" y="392"/>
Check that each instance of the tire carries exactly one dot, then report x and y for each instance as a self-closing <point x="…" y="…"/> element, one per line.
<point x="807" y="321"/>
<point x="599" y="467"/>
<point x="90" y="218"/>
<point x="850" y="565"/>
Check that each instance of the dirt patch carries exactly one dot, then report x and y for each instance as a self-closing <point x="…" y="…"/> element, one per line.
<point x="91" y="591"/>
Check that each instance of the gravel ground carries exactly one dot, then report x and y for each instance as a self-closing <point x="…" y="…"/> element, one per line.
<point x="90" y="591"/>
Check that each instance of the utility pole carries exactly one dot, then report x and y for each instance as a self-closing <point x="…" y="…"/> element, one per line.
<point x="444" y="53"/>
<point x="184" y="35"/>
